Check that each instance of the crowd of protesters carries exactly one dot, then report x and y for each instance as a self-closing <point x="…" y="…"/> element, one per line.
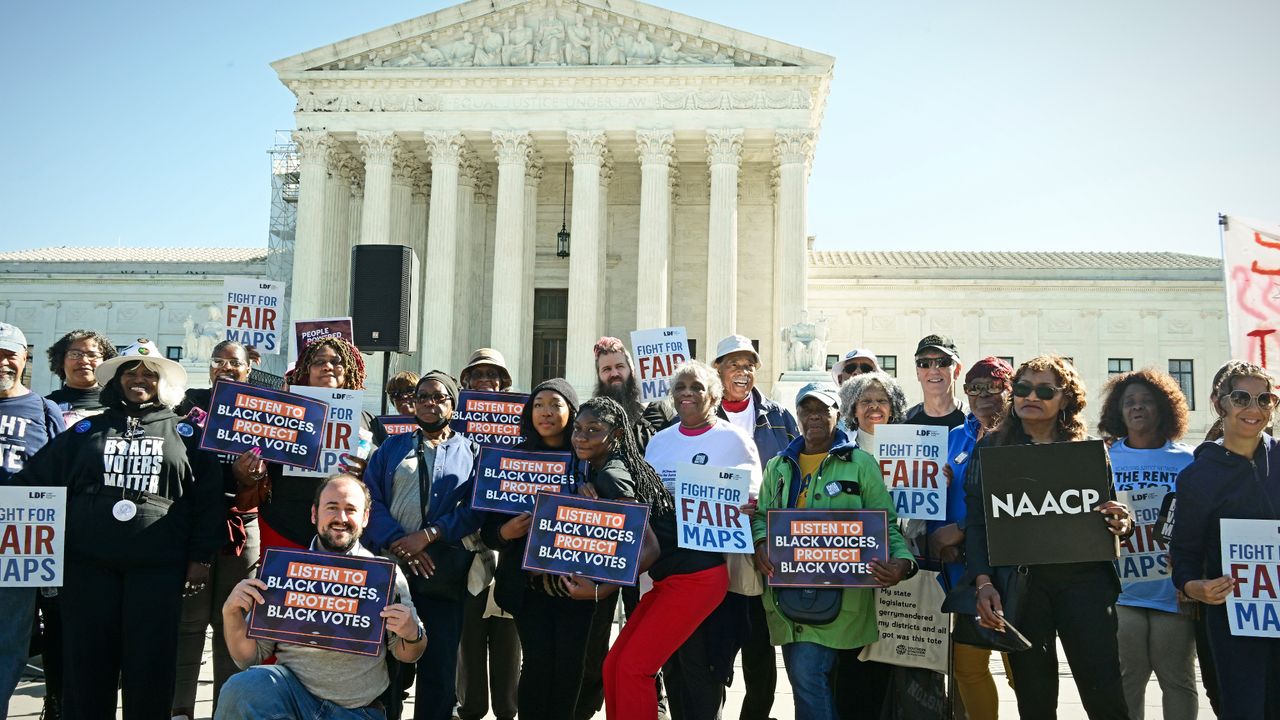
<point x="163" y="541"/>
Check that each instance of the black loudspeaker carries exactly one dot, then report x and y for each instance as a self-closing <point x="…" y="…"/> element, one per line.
<point x="384" y="295"/>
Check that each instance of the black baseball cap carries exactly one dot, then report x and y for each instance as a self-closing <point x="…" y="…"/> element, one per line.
<point x="941" y="343"/>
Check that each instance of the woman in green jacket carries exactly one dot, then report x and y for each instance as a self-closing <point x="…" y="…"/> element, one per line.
<point x="824" y="470"/>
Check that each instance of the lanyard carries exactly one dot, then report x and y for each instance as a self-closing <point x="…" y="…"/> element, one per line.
<point x="424" y="477"/>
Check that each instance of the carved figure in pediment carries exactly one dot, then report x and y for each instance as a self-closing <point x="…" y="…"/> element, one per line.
<point x="551" y="39"/>
<point x="613" y="52"/>
<point x="489" y="53"/>
<point x="670" y="54"/>
<point x="463" y="51"/>
<point x="519" y="45"/>
<point x="642" y="51"/>
<point x="578" y="47"/>
<point x="433" y="57"/>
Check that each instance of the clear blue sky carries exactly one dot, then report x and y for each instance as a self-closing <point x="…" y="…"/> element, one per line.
<point x="1074" y="124"/>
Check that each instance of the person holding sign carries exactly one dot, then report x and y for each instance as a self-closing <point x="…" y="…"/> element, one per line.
<point x="234" y="560"/>
<point x="145" y="516"/>
<point x="284" y="497"/>
<point x="421" y="484"/>
<point x="1236" y="478"/>
<point x="553" y="626"/>
<point x="987" y="385"/>
<point x="1144" y="413"/>
<point x="308" y="681"/>
<point x="824" y="469"/>
<point x="27" y="423"/>
<point x="1073" y="602"/>
<point x="698" y="673"/>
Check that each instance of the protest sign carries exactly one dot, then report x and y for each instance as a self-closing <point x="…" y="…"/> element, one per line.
<point x="342" y="433"/>
<point x="325" y="600"/>
<point x="1039" y="502"/>
<point x="489" y="418"/>
<point x="1144" y="558"/>
<point x="657" y="353"/>
<point x="307" y="331"/>
<point x="1251" y="264"/>
<point x="913" y="629"/>
<point x="598" y="539"/>
<point x="398" y="424"/>
<point x="507" y="481"/>
<point x="287" y="428"/>
<point x="707" y="508"/>
<point x="826" y="548"/>
<point x="1251" y="557"/>
<point x="911" y="459"/>
<point x="32" y="525"/>
<point x="254" y="312"/>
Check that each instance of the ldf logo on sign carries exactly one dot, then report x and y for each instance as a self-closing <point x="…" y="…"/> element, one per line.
<point x="1251" y="556"/>
<point x="32" y="522"/>
<point x="253" y="312"/>
<point x="325" y="600"/>
<point x="507" y="481"/>
<point x="826" y="548"/>
<point x="708" y="515"/>
<point x="598" y="539"/>
<point x="1039" y="502"/>
<point x="342" y="431"/>
<point x="911" y="459"/>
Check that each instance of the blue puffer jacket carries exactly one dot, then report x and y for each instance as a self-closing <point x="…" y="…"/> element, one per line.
<point x="451" y="489"/>
<point x="775" y="427"/>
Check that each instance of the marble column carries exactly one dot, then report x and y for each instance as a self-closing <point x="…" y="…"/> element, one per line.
<point x="793" y="152"/>
<point x="724" y="157"/>
<point x="308" y="258"/>
<point x="602" y="294"/>
<point x="467" y="258"/>
<point x="587" y="148"/>
<point x="654" y="148"/>
<point x="421" y="192"/>
<point x="355" y="202"/>
<point x="380" y="149"/>
<point x="511" y="148"/>
<point x="532" y="179"/>
<point x="478" y="246"/>
<point x="444" y="147"/>
<point x="334" y="296"/>
<point x="401" y="208"/>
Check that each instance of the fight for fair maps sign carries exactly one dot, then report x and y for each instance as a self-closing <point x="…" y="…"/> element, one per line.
<point x="253" y="312"/>
<point x="1251" y="557"/>
<point x="657" y="354"/>
<point x="911" y="458"/>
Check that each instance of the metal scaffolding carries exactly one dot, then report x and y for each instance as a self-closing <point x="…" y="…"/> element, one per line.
<point x="282" y="229"/>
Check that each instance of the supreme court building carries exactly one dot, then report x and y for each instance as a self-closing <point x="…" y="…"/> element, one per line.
<point x="675" y="151"/>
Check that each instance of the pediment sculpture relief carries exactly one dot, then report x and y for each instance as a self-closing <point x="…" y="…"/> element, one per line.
<point x="554" y="37"/>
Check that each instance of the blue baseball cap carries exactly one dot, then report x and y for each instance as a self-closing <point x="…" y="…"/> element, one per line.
<point x="826" y="392"/>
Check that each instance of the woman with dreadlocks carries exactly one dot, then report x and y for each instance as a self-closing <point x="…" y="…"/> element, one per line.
<point x="687" y="584"/>
<point x="283" y="499"/>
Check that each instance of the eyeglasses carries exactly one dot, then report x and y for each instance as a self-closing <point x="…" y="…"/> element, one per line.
<point x="219" y="363"/>
<point x="1242" y="399"/>
<point x="985" y="389"/>
<point x="83" y="355"/>
<point x="433" y="399"/>
<point x="1043" y="392"/>
<point x="334" y="361"/>
<point x="928" y="363"/>
<point x="405" y="396"/>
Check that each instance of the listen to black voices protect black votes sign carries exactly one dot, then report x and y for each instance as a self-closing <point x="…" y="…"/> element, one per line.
<point x="1039" y="502"/>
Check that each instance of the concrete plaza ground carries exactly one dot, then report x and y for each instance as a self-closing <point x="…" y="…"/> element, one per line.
<point x="28" y="699"/>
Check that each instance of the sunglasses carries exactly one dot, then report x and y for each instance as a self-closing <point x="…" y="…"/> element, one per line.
<point x="983" y="389"/>
<point x="1043" y="392"/>
<point x="859" y="368"/>
<point x="433" y="399"/>
<point x="1242" y="399"/>
<point x="927" y="363"/>
<point x="405" y="396"/>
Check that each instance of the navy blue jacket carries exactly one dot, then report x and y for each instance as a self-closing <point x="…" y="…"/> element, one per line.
<point x="775" y="427"/>
<point x="452" y="480"/>
<point x="1220" y="484"/>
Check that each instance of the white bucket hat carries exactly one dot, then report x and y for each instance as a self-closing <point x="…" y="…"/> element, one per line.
<point x="173" y="374"/>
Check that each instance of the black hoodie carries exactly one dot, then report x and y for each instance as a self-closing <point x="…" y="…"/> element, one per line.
<point x="175" y="487"/>
<point x="1220" y="484"/>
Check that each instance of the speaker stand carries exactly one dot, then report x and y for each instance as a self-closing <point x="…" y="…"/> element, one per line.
<point x="386" y="375"/>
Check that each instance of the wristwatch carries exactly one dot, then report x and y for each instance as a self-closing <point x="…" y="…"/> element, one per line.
<point x="912" y="568"/>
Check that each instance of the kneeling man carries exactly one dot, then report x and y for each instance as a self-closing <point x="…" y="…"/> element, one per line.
<point x="308" y="681"/>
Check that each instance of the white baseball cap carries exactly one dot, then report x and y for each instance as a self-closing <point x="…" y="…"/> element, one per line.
<point x="849" y="357"/>
<point x="12" y="339"/>
<point x="173" y="374"/>
<point x="736" y="343"/>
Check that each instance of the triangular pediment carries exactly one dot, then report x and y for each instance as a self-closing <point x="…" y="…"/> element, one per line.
<point x="549" y="33"/>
